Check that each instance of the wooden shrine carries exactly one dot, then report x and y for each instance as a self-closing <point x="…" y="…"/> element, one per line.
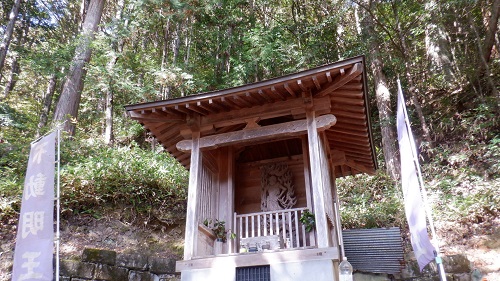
<point x="262" y="156"/>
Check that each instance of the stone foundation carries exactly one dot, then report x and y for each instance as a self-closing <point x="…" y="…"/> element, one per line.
<point x="98" y="264"/>
<point x="108" y="265"/>
<point x="456" y="267"/>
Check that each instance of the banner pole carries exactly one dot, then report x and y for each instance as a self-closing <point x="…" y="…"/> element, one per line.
<point x="437" y="252"/>
<point x="58" y="199"/>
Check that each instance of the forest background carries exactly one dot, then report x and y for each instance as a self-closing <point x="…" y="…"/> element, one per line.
<point x="82" y="61"/>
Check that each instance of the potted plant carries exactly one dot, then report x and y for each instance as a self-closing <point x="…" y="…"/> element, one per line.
<point x="219" y="229"/>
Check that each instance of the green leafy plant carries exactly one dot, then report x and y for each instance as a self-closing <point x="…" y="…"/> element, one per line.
<point x="219" y="229"/>
<point x="370" y="201"/>
<point x="308" y="220"/>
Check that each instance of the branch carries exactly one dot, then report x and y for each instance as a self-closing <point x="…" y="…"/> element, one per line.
<point x="379" y="23"/>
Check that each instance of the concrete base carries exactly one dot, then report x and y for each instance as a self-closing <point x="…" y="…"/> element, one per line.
<point x="320" y="270"/>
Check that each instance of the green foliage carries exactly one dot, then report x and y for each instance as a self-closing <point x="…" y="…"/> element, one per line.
<point x="464" y="180"/>
<point x="95" y="177"/>
<point x="9" y="117"/>
<point x="308" y="220"/>
<point x="14" y="149"/>
<point x="370" y="201"/>
<point x="218" y="227"/>
<point x="127" y="176"/>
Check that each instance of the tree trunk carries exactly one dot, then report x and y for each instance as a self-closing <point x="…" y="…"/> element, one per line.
<point x="485" y="52"/>
<point x="69" y="101"/>
<point x="409" y="77"/>
<point x="109" y="102"/>
<point x="483" y="71"/>
<point x="47" y="103"/>
<point x="436" y="45"/>
<point x="189" y="34"/>
<point x="383" y="97"/>
<point x="166" y="36"/>
<point x="14" y="73"/>
<point x="108" y="133"/>
<point x="491" y="31"/>
<point x="4" y="46"/>
<point x="176" y="42"/>
<point x="15" y="69"/>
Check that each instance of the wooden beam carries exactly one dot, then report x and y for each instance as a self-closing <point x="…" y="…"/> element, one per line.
<point x="231" y="102"/>
<point x="302" y="86"/>
<point x="154" y="128"/>
<point x="217" y="106"/>
<point x="316" y="83"/>
<point x="348" y="94"/>
<point x="168" y="134"/>
<point x="261" y="258"/>
<point x="277" y="131"/>
<point x="341" y="80"/>
<point x="349" y="139"/>
<point x="197" y="109"/>
<point x="241" y="102"/>
<point x="352" y="121"/>
<point x="278" y="93"/>
<point x="204" y="105"/>
<point x="338" y="158"/>
<point x="264" y="95"/>
<point x="355" y="143"/>
<point x="352" y="86"/>
<point x="361" y="168"/>
<point x="329" y="77"/>
<point x="348" y="132"/>
<point x="172" y="112"/>
<point x="289" y="90"/>
<point x="155" y="117"/>
<point x="352" y="127"/>
<point x="184" y="159"/>
<point x="349" y="101"/>
<point x="341" y="113"/>
<point x="265" y="111"/>
<point x="349" y="108"/>
<point x="182" y="109"/>
<point x="165" y="129"/>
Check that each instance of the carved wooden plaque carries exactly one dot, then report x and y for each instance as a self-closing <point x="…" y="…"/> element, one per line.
<point x="277" y="187"/>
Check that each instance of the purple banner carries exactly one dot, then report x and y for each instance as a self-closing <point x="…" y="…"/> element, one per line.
<point x="33" y="256"/>
<point x="414" y="207"/>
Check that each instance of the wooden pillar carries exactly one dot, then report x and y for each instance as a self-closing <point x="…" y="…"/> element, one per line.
<point x="307" y="174"/>
<point x="226" y="194"/>
<point x="329" y="181"/>
<point x="317" y="179"/>
<point x="191" y="237"/>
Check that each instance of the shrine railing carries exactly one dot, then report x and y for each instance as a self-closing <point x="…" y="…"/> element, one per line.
<point x="272" y="230"/>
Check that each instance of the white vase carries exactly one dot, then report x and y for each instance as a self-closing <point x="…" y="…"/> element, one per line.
<point x="218" y="246"/>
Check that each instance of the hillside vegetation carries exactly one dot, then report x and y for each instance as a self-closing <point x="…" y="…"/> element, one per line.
<point x="80" y="62"/>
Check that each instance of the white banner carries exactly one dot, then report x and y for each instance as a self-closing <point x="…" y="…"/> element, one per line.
<point x="33" y="256"/>
<point x="414" y="206"/>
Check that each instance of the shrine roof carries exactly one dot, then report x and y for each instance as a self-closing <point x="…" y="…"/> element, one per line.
<point x="339" y="89"/>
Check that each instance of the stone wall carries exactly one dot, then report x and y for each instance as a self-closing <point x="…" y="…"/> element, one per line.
<point x="99" y="264"/>
<point x="456" y="267"/>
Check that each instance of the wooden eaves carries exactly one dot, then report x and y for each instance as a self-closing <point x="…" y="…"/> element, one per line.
<point x="338" y="89"/>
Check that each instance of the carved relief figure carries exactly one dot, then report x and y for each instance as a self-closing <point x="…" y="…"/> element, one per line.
<point x="277" y="187"/>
